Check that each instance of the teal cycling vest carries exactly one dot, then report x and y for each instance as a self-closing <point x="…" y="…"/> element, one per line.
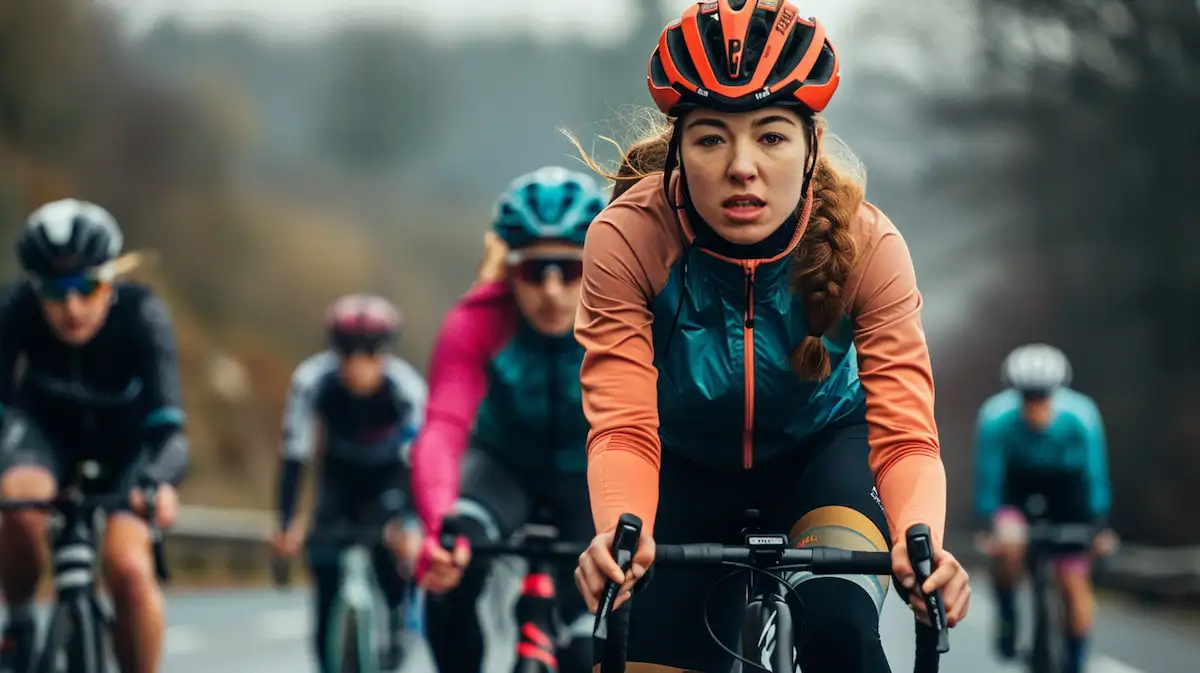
<point x="1074" y="440"/>
<point x="722" y="339"/>
<point x="532" y="416"/>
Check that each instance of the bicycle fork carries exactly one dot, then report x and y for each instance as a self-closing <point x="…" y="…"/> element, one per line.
<point x="767" y="627"/>
<point x="535" y="617"/>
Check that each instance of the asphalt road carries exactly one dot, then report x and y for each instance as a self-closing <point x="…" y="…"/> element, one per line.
<point x="263" y="630"/>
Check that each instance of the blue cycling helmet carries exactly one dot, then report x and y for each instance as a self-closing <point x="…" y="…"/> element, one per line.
<point x="551" y="203"/>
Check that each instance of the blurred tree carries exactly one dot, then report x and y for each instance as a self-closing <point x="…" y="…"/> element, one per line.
<point x="1098" y="102"/>
<point x="378" y="103"/>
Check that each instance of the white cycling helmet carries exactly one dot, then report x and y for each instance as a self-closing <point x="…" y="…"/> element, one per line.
<point x="1036" y="368"/>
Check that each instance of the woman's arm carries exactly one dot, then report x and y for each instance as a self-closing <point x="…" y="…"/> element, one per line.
<point x="896" y="374"/>
<point x="620" y="394"/>
<point x="473" y="331"/>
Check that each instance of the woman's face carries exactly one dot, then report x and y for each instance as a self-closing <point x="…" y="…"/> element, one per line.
<point x="745" y="171"/>
<point x="78" y="314"/>
<point x="545" y="281"/>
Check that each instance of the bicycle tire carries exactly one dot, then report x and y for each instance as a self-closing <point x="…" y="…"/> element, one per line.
<point x="1041" y="655"/>
<point x="65" y="636"/>
<point x="351" y="654"/>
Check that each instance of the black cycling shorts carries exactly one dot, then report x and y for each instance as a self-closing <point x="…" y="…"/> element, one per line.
<point x="353" y="496"/>
<point x="1059" y="496"/>
<point x="25" y="442"/>
<point x="822" y="495"/>
<point x="501" y="498"/>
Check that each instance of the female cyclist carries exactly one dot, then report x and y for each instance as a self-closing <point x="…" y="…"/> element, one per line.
<point x="753" y="340"/>
<point x="504" y="381"/>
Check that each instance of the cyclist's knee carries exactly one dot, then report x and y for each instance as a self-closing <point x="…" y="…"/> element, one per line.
<point x="1008" y="564"/>
<point x="388" y="573"/>
<point x="841" y="623"/>
<point x="1078" y="598"/>
<point x="128" y="563"/>
<point x="27" y="482"/>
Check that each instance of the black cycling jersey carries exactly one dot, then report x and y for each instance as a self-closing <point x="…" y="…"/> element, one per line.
<point x="363" y="436"/>
<point x="109" y="399"/>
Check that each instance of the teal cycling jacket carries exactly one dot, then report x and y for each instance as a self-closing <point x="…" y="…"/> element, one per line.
<point x="532" y="415"/>
<point x="1074" y="440"/>
<point x="499" y="386"/>
<point x="687" y="351"/>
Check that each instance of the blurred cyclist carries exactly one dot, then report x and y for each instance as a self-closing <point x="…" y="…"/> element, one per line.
<point x="1040" y="437"/>
<point x="100" y="382"/>
<point x="504" y="382"/>
<point x="368" y="403"/>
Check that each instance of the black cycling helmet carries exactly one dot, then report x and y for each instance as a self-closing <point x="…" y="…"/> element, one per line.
<point x="67" y="237"/>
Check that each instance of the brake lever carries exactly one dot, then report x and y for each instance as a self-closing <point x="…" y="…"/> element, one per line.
<point x="625" y="542"/>
<point x="920" y="554"/>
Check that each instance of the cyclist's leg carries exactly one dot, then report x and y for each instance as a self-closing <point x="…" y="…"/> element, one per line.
<point x="323" y="556"/>
<point x="667" y="623"/>
<point x="129" y="574"/>
<point x="29" y="468"/>
<point x="392" y="570"/>
<point x="1009" y="534"/>
<point x="826" y="497"/>
<point x="492" y="505"/>
<point x="568" y="496"/>
<point x="1073" y="572"/>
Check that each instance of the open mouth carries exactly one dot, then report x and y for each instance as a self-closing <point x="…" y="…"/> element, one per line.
<point x="743" y="201"/>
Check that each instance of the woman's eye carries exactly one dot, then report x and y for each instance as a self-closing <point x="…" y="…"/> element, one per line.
<point x="773" y="138"/>
<point x="709" y="141"/>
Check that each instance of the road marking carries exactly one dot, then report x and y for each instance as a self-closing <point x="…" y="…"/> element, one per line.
<point x="1103" y="664"/>
<point x="183" y="640"/>
<point x="285" y="624"/>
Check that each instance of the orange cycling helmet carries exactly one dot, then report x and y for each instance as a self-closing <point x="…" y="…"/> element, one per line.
<point x="739" y="55"/>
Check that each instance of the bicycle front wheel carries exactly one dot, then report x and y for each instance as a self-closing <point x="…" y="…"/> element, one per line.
<point x="351" y="648"/>
<point x="72" y="643"/>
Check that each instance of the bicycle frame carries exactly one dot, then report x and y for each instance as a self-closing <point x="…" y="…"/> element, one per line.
<point x="767" y="609"/>
<point x="356" y="601"/>
<point x="1047" y="649"/>
<point x="535" y="610"/>
<point x="1043" y="653"/>
<point x="78" y="605"/>
<point x="80" y="620"/>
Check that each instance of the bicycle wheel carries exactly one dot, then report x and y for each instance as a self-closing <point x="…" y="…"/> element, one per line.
<point x="70" y="645"/>
<point x="352" y="643"/>
<point x="1041" y="655"/>
<point x="351" y="655"/>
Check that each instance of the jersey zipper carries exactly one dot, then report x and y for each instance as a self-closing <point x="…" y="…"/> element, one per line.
<point x="89" y="417"/>
<point x="748" y="359"/>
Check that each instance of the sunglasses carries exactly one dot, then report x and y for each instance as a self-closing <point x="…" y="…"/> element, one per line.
<point x="536" y="269"/>
<point x="347" y="345"/>
<point x="56" y="288"/>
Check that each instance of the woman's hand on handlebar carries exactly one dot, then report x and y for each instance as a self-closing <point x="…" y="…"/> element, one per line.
<point x="166" y="505"/>
<point x="597" y="566"/>
<point x="948" y="575"/>
<point x="440" y="570"/>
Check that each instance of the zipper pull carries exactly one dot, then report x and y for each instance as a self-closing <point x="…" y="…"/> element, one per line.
<point x="749" y="312"/>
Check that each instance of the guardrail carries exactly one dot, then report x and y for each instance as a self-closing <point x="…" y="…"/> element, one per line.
<point x="1152" y="573"/>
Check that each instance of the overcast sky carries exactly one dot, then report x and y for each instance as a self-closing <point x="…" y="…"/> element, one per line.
<point x="600" y="20"/>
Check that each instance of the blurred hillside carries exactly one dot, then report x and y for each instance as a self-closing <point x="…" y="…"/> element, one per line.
<point x="248" y="265"/>
<point x="1035" y="155"/>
